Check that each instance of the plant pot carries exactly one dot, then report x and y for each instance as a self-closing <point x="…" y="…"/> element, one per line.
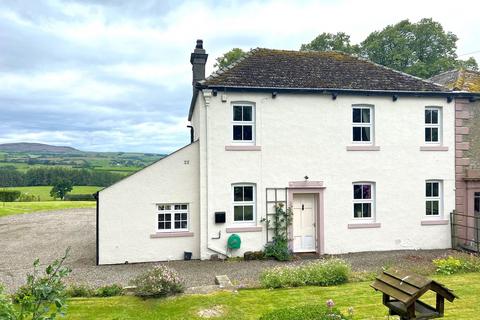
<point x="187" y="256"/>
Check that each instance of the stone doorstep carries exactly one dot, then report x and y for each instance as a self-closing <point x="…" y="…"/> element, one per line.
<point x="223" y="281"/>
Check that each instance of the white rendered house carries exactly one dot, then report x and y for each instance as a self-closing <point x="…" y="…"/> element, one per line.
<point x="363" y="154"/>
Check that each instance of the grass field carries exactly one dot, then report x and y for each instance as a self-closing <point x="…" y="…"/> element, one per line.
<point x="44" y="191"/>
<point x="250" y="304"/>
<point x="11" y="208"/>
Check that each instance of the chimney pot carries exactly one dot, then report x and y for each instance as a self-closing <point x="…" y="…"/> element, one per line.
<point x="198" y="59"/>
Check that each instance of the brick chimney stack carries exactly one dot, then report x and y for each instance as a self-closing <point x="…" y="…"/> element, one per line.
<point x="198" y="59"/>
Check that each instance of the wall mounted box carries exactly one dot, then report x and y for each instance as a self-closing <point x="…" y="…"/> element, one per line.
<point x="220" y="217"/>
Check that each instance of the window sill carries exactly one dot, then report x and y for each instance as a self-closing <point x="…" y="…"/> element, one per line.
<point x="243" y="148"/>
<point x="435" y="222"/>
<point x="363" y="148"/>
<point x="433" y="148"/>
<point x="364" y="225"/>
<point x="243" y="229"/>
<point x="171" y="234"/>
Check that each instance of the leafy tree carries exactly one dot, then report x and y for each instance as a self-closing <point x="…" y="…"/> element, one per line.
<point x="229" y="57"/>
<point x="61" y="188"/>
<point x="329" y="41"/>
<point x="422" y="49"/>
<point x="9" y="195"/>
<point x="42" y="298"/>
<point x="470" y="64"/>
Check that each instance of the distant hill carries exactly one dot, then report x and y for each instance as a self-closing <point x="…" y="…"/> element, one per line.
<point x="36" y="147"/>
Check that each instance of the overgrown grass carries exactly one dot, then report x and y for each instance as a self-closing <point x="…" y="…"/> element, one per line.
<point x="251" y="304"/>
<point x="44" y="191"/>
<point x="11" y="208"/>
<point x="321" y="273"/>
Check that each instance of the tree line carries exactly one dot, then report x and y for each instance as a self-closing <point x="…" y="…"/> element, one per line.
<point x="11" y="177"/>
<point x="422" y="49"/>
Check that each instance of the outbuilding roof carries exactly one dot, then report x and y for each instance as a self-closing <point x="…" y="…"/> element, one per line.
<point x="461" y="80"/>
<point x="269" y="68"/>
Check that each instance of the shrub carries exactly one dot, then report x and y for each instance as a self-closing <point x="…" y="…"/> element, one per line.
<point x="109" y="291"/>
<point x="24" y="197"/>
<point x="79" y="197"/>
<point x="77" y="291"/>
<point x="278" y="250"/>
<point x="280" y="222"/>
<point x="254" y="255"/>
<point x="21" y="292"/>
<point x="9" y="195"/>
<point x="326" y="273"/>
<point x="7" y="311"/>
<point x="452" y="265"/>
<point x="322" y="273"/>
<point x="306" y="312"/>
<point x="43" y="297"/>
<point x="157" y="282"/>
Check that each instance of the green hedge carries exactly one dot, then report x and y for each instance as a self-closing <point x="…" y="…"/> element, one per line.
<point x="9" y="195"/>
<point x="79" y="197"/>
<point x="307" y="312"/>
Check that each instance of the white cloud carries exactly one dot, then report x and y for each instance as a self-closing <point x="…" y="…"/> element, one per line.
<point x="116" y="75"/>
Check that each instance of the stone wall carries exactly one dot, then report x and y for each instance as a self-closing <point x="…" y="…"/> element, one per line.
<point x="467" y="165"/>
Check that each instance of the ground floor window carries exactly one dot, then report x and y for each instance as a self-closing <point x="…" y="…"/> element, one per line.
<point x="433" y="198"/>
<point x="363" y="200"/>
<point x="477" y="202"/>
<point x="244" y="203"/>
<point x="172" y="217"/>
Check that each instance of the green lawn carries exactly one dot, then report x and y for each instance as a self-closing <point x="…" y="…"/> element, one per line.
<point x="44" y="191"/>
<point x="10" y="208"/>
<point x="250" y="304"/>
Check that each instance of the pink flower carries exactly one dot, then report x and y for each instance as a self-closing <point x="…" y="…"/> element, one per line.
<point x="330" y="303"/>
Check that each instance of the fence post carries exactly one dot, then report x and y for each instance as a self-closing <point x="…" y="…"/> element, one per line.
<point x="452" y="229"/>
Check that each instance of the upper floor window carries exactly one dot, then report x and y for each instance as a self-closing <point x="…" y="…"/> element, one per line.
<point x="243" y="202"/>
<point x="363" y="200"/>
<point x="243" y="124"/>
<point x="433" y="125"/>
<point x="172" y="217"/>
<point x="433" y="198"/>
<point x="362" y="124"/>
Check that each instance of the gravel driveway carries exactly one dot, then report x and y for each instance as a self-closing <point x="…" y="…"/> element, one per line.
<point x="46" y="235"/>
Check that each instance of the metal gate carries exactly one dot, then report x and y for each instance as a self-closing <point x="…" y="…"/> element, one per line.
<point x="465" y="231"/>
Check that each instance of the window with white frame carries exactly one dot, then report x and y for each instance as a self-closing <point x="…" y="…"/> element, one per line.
<point x="363" y="200"/>
<point x="362" y="124"/>
<point x="243" y="124"/>
<point x="433" y="198"/>
<point x="243" y="203"/>
<point x="172" y="217"/>
<point x="433" y="125"/>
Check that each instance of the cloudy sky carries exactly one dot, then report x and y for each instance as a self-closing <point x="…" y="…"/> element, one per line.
<point x="115" y="75"/>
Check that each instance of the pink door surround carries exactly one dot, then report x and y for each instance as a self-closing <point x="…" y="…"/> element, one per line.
<point x="315" y="188"/>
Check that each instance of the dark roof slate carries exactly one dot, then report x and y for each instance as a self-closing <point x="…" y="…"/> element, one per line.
<point x="268" y="68"/>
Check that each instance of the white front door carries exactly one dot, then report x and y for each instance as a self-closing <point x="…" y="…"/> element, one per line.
<point x="304" y="223"/>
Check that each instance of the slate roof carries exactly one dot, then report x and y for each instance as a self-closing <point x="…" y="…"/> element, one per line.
<point x="268" y="68"/>
<point x="459" y="80"/>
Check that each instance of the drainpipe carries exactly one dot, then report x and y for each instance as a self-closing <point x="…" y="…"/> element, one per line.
<point x="207" y="96"/>
<point x="191" y="133"/>
<point x="96" y="195"/>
